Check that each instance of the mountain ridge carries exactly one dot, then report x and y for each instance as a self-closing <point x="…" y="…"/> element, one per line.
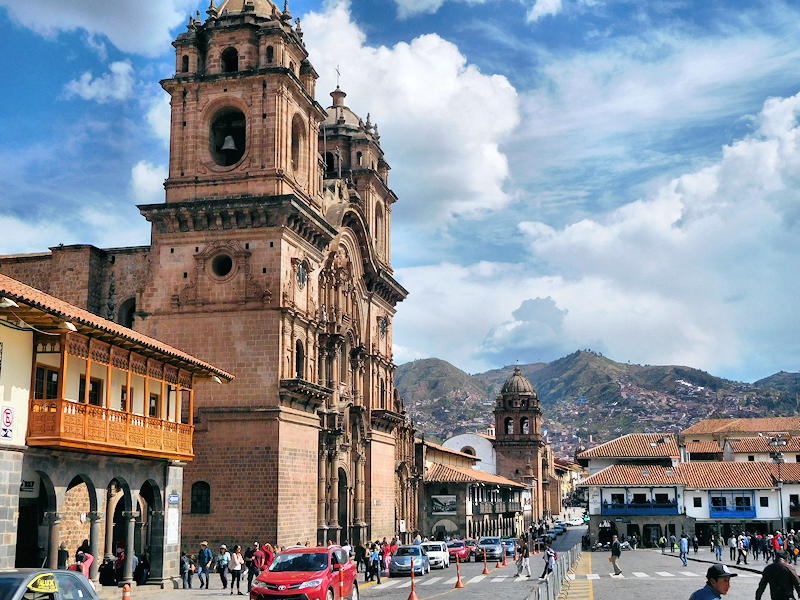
<point x="588" y="398"/>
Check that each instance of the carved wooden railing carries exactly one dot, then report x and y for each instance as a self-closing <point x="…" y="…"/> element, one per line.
<point x="73" y="424"/>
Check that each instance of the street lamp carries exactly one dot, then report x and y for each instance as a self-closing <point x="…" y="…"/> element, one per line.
<point x="777" y="441"/>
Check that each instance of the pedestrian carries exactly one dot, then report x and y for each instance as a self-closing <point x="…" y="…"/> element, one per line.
<point x="523" y="559"/>
<point x="695" y="543"/>
<point x="235" y="568"/>
<point x="361" y="556"/>
<point x="269" y="555"/>
<point x="781" y="577"/>
<point x="204" y="559"/>
<point x="549" y="557"/>
<point x="387" y="554"/>
<point x="719" y="543"/>
<point x="662" y="542"/>
<point x="376" y="563"/>
<point x="732" y="546"/>
<point x="718" y="582"/>
<point x="256" y="566"/>
<point x="684" y="548"/>
<point x="63" y="556"/>
<point x="223" y="560"/>
<point x="186" y="570"/>
<point x="741" y="550"/>
<point x="616" y="552"/>
<point x="673" y="542"/>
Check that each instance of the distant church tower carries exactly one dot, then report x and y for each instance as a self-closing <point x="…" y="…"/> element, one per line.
<point x="522" y="454"/>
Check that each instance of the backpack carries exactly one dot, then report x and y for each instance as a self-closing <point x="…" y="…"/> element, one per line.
<point x="555" y="555"/>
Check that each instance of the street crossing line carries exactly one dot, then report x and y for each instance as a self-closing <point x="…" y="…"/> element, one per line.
<point x="388" y="582"/>
<point x="476" y="579"/>
<point x="571" y="576"/>
<point x="405" y="584"/>
<point x="592" y="576"/>
<point x="430" y="581"/>
<point x="496" y="579"/>
<point x="664" y="574"/>
<point x="689" y="574"/>
<point x="640" y="574"/>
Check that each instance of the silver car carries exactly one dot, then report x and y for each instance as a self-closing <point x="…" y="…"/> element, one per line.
<point x="491" y="546"/>
<point x="401" y="561"/>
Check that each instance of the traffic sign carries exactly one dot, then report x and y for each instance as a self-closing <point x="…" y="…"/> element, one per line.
<point x="7" y="423"/>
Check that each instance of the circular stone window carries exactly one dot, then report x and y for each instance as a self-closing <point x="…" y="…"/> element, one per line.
<point x="227" y="137"/>
<point x="221" y="265"/>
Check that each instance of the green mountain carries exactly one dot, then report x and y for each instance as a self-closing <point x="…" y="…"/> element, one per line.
<point x="588" y="396"/>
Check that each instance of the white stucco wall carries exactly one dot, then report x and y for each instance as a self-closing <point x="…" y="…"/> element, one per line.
<point x="15" y="380"/>
<point x="483" y="448"/>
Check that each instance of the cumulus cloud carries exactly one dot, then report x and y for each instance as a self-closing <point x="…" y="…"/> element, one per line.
<point x="158" y="115"/>
<point x="701" y="272"/>
<point x="117" y="84"/>
<point x="131" y="25"/>
<point x="407" y="8"/>
<point x="147" y="182"/>
<point x="440" y="117"/>
<point x="543" y="8"/>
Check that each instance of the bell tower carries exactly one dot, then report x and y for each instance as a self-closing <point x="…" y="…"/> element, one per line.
<point x="243" y="115"/>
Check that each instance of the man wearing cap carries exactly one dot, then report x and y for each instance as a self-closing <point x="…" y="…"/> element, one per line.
<point x="782" y="578"/>
<point x="204" y="559"/>
<point x="718" y="582"/>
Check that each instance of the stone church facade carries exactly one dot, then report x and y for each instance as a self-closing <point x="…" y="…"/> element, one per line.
<point x="271" y="258"/>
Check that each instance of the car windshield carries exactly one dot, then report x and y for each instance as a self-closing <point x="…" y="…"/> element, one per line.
<point x="299" y="561"/>
<point x="455" y="545"/>
<point x="487" y="541"/>
<point x="408" y="551"/>
<point x="9" y="585"/>
<point x="510" y="542"/>
<point x="432" y="547"/>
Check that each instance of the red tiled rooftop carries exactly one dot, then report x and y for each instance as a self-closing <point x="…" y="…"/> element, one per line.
<point x="447" y="450"/>
<point x="634" y="475"/>
<point x="24" y="294"/>
<point x="440" y="473"/>
<point x="752" y="425"/>
<point x="702" y="475"/>
<point x="703" y="447"/>
<point x="636" y="445"/>
<point x="760" y="444"/>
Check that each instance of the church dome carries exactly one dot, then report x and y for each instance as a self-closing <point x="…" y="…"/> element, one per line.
<point x="262" y="8"/>
<point x="518" y="384"/>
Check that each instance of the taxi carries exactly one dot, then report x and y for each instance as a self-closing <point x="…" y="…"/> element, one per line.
<point x="43" y="584"/>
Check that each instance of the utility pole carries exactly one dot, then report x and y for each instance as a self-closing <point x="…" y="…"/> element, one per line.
<point x="777" y="441"/>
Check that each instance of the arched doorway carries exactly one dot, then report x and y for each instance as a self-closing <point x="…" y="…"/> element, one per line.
<point x="343" y="507"/>
<point x="37" y="508"/>
<point x="152" y="531"/>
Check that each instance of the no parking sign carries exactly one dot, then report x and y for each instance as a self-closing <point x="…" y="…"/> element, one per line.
<point x="7" y="424"/>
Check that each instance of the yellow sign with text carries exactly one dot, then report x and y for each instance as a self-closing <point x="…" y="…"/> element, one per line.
<point x="44" y="583"/>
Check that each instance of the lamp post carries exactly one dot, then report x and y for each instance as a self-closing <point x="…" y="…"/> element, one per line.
<point x="776" y="442"/>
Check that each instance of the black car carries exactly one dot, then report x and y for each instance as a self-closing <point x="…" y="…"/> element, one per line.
<point x="43" y="584"/>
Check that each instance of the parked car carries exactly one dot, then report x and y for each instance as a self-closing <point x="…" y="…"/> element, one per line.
<point x="438" y="555"/>
<point x="575" y="522"/>
<point x="459" y="549"/>
<point x="491" y="547"/>
<point x="472" y="544"/>
<point x="558" y="529"/>
<point x="308" y="574"/>
<point x="511" y="547"/>
<point x="43" y="583"/>
<point x="401" y="561"/>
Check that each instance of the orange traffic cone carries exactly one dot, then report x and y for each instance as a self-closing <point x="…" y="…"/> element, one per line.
<point x="505" y="564"/>
<point x="459" y="583"/>
<point x="413" y="594"/>
<point x="485" y="568"/>
<point x="126" y="592"/>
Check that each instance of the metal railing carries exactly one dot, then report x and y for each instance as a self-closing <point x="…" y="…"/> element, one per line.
<point x="551" y="588"/>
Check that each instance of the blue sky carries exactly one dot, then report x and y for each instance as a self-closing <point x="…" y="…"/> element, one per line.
<point x="615" y="175"/>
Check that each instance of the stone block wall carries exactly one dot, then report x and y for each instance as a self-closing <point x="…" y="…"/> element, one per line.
<point x="10" y="477"/>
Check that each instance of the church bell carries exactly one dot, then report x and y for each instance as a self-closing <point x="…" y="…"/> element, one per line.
<point x="228" y="144"/>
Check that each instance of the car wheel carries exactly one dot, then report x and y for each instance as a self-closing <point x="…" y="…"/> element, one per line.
<point x="354" y="595"/>
<point x="329" y="595"/>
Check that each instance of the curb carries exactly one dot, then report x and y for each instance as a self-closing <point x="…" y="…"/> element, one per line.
<point x="713" y="562"/>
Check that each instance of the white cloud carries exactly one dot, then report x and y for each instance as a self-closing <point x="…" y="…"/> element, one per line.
<point x="21" y="236"/>
<point x="158" y="116"/>
<point x="117" y="84"/>
<point x="407" y="8"/>
<point x="147" y="182"/>
<point x="131" y="25"/>
<point x="543" y="8"/>
<point x="441" y="119"/>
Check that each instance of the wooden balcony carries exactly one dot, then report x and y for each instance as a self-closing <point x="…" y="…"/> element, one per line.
<point x="67" y="424"/>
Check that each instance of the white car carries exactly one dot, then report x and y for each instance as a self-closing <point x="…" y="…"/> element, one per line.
<point x="437" y="554"/>
<point x="575" y="522"/>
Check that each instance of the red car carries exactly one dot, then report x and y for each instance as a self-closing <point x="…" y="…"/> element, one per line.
<point x="308" y="574"/>
<point x="458" y="549"/>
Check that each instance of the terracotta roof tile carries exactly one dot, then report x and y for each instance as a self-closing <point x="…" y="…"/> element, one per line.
<point x="703" y="448"/>
<point x="447" y="450"/>
<point x="789" y="472"/>
<point x="753" y="425"/>
<point x="438" y="472"/>
<point x="699" y="474"/>
<point x="759" y="444"/>
<point x="634" y="475"/>
<point x="24" y="294"/>
<point x="635" y="445"/>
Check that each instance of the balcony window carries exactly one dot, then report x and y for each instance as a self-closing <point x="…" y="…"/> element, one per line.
<point x="718" y="502"/>
<point x="764" y="501"/>
<point x="153" y="406"/>
<point x="95" y="391"/>
<point x="46" y="383"/>
<point x="124" y="394"/>
<point x="639" y="498"/>
<point x="662" y="499"/>
<point x="617" y="498"/>
<point x="698" y="502"/>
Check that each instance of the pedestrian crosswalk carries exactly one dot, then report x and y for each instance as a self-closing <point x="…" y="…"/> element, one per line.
<point x="656" y="574"/>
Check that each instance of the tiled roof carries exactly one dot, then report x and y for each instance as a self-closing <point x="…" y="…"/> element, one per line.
<point x="567" y="464"/>
<point x="635" y="445"/>
<point x="789" y="472"/>
<point x="447" y="450"/>
<point x="24" y="294"/>
<point x="634" y="475"/>
<point x="702" y="475"/>
<point x="727" y="474"/>
<point x="487" y="436"/>
<point x="438" y="472"/>
<point x="753" y="425"/>
<point x="760" y="444"/>
<point x="703" y="448"/>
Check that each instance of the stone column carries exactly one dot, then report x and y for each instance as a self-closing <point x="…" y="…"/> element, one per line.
<point x="360" y="489"/>
<point x="322" y="492"/>
<point x="130" y="546"/>
<point x="333" y="497"/>
<point x="53" y="520"/>
<point x="94" y="543"/>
